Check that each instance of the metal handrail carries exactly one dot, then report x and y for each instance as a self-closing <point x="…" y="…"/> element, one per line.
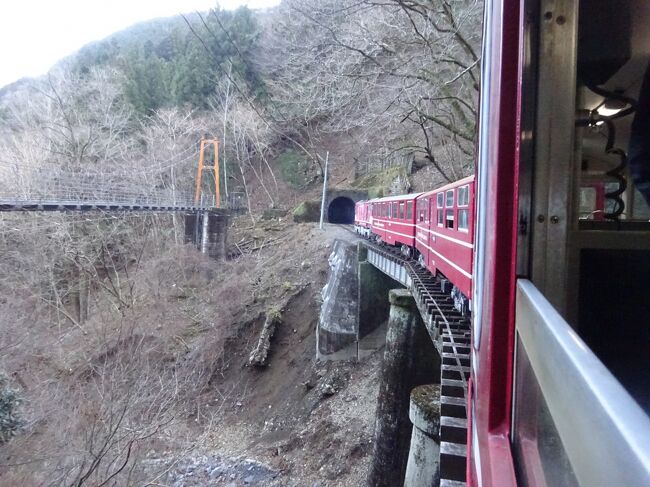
<point x="604" y="432"/>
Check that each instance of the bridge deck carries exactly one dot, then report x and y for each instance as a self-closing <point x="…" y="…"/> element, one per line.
<point x="13" y="205"/>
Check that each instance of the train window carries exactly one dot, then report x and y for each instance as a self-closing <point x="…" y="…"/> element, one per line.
<point x="441" y="200"/>
<point x="538" y="448"/>
<point x="394" y="211"/>
<point x="409" y="210"/>
<point x="384" y="210"/>
<point x="463" y="195"/>
<point x="440" y="217"/>
<point x="463" y="219"/>
<point x="449" y="218"/>
<point x="450" y="198"/>
<point x="401" y="211"/>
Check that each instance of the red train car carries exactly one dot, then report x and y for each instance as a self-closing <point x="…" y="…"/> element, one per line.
<point x="445" y="232"/>
<point x="393" y="220"/>
<point x="363" y="217"/>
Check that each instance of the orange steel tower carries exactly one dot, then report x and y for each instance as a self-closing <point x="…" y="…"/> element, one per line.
<point x="199" y="175"/>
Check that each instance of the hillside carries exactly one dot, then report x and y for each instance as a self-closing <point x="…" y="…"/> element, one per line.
<point x="124" y="353"/>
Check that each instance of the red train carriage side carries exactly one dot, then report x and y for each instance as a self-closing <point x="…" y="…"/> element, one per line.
<point x="362" y="217"/>
<point x="445" y="232"/>
<point x="393" y="220"/>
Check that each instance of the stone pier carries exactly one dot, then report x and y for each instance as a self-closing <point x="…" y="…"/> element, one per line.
<point x="355" y="303"/>
<point x="338" y="328"/>
<point x="208" y="230"/>
<point x="423" y="468"/>
<point x="409" y="361"/>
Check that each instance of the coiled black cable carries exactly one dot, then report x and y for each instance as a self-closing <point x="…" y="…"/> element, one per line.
<point x="617" y="173"/>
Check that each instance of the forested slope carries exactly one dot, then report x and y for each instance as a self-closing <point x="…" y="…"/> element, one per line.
<point x="117" y="337"/>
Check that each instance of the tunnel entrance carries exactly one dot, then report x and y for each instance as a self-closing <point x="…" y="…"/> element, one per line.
<point x="341" y="210"/>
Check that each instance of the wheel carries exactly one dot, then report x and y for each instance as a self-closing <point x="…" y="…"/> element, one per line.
<point x="406" y="251"/>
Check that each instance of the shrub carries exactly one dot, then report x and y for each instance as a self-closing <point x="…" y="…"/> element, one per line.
<point x="10" y="421"/>
<point x="294" y="168"/>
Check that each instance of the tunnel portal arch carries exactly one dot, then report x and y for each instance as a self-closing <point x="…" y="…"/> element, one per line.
<point x="341" y="210"/>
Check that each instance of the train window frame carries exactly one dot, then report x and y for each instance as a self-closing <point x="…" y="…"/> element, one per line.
<point x="441" y="218"/>
<point x="440" y="199"/>
<point x="463" y="196"/>
<point x="409" y="210"/>
<point x="463" y="224"/>
<point x="386" y="210"/>
<point x="402" y="210"/>
<point x="449" y="219"/>
<point x="449" y="198"/>
<point x="394" y="209"/>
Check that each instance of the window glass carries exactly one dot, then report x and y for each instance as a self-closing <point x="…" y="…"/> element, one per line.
<point x="450" y="198"/>
<point x="463" y="218"/>
<point x="409" y="210"/>
<point x="449" y="218"/>
<point x="441" y="200"/>
<point x="440" y="218"/>
<point x="463" y="195"/>
<point x="538" y="448"/>
<point x="401" y="211"/>
<point x="395" y="210"/>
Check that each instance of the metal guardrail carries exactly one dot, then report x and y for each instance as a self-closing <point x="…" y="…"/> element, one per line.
<point x="604" y="432"/>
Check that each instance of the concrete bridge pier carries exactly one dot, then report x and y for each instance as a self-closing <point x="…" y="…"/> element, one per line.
<point x="208" y="230"/>
<point x="408" y="362"/>
<point x="423" y="468"/>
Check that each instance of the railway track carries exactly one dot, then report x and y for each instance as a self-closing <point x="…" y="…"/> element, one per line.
<point x="450" y="332"/>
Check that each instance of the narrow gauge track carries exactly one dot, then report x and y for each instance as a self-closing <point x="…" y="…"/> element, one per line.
<point x="450" y="332"/>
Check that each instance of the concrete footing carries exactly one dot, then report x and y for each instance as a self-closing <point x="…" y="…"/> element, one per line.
<point x="423" y="468"/>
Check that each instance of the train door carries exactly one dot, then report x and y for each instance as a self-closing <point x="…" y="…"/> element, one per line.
<point x="581" y="329"/>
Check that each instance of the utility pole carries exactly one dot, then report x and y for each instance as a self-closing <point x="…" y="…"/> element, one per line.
<point x="322" y="206"/>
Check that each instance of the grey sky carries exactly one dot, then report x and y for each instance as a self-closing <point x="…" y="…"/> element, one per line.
<point x="35" y="34"/>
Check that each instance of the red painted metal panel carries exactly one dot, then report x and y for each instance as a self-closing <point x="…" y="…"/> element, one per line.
<point x="492" y="464"/>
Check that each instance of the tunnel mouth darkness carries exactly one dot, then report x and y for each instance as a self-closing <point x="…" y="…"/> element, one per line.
<point x="341" y="210"/>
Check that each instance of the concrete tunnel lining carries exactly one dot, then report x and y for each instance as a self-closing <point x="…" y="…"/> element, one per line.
<point x="341" y="210"/>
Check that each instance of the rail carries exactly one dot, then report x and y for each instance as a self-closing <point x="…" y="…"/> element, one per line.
<point x="450" y="333"/>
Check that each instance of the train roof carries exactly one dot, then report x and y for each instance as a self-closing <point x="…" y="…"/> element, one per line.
<point x="400" y="197"/>
<point x="455" y="184"/>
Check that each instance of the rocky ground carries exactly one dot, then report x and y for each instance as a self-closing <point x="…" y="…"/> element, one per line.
<point x="301" y="422"/>
<point x="185" y="344"/>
